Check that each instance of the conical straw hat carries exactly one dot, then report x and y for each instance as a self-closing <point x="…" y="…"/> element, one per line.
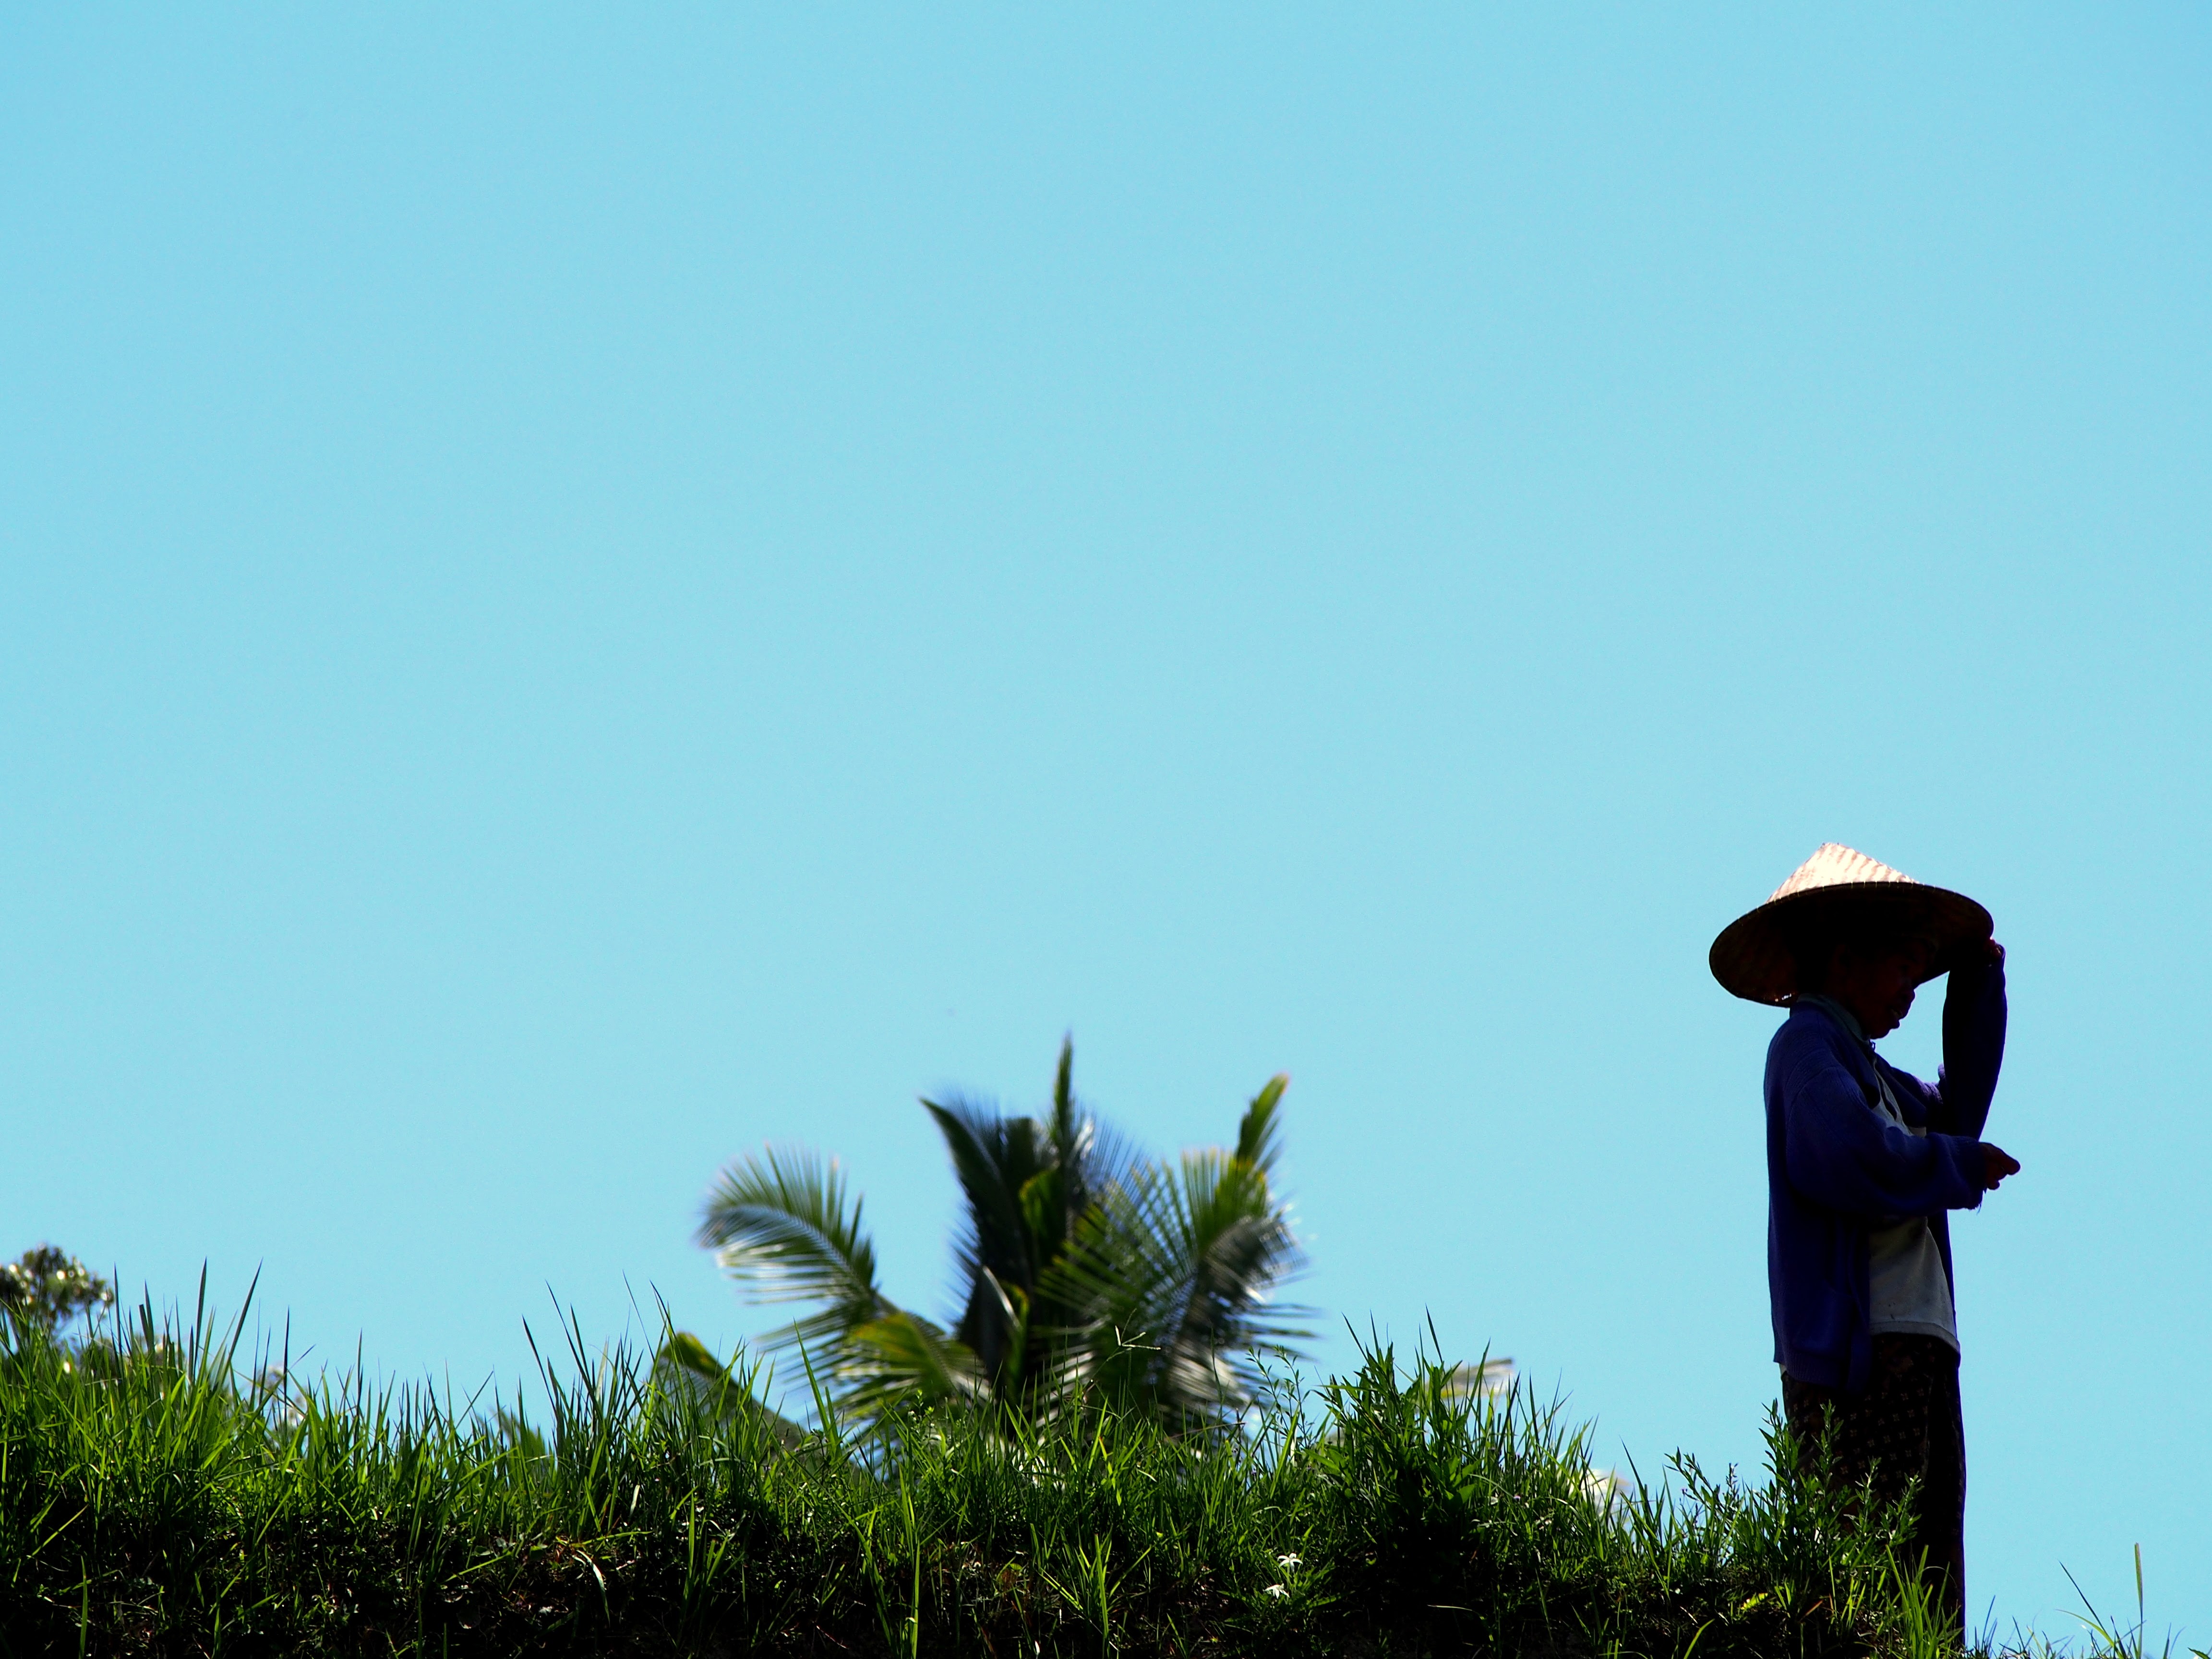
<point x="1756" y="955"/>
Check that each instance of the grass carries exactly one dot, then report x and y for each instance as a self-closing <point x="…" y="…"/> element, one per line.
<point x="157" y="1496"/>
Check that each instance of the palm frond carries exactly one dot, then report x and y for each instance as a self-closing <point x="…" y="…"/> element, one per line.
<point x="783" y="1224"/>
<point x="1238" y="1245"/>
<point x="1257" y="1141"/>
<point x="1171" y="1274"/>
<point x="902" y="1357"/>
<point x="1004" y="1166"/>
<point x="994" y="1157"/>
<point x="1093" y="1155"/>
<point x="779" y="1225"/>
<point x="684" y="1365"/>
<point x="1066" y="1119"/>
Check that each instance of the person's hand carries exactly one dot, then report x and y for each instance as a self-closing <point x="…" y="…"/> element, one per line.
<point x="1976" y="954"/>
<point x="1996" y="1164"/>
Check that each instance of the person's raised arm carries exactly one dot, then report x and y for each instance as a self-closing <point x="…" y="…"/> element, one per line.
<point x="1973" y="1042"/>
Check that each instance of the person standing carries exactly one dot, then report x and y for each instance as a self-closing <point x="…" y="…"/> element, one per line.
<point x="1863" y="1164"/>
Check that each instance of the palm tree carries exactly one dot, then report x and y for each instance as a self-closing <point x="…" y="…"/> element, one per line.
<point x="1088" y="1270"/>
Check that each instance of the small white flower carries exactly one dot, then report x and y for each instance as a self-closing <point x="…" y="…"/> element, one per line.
<point x="1277" y="1591"/>
<point x="1288" y="1563"/>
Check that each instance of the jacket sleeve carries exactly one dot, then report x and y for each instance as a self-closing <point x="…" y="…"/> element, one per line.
<point x="1841" y="1156"/>
<point x="1973" y="1049"/>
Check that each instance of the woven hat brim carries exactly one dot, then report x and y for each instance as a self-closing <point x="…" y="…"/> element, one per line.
<point x="1755" y="956"/>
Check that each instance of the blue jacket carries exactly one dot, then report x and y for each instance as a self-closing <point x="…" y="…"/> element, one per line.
<point x="1834" y="1169"/>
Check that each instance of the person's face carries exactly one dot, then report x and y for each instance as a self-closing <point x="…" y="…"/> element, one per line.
<point x="1878" y="988"/>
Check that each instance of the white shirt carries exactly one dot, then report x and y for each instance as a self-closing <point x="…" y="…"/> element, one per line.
<point x="1910" y="1292"/>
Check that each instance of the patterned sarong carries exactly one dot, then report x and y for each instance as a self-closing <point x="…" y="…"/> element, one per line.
<point x="1905" y="1427"/>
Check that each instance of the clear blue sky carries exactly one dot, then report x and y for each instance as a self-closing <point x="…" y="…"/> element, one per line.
<point x="580" y="591"/>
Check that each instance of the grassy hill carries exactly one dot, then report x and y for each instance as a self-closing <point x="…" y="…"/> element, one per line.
<point x="156" y="1498"/>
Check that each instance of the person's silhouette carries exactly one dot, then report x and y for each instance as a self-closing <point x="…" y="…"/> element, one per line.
<point x="1864" y="1162"/>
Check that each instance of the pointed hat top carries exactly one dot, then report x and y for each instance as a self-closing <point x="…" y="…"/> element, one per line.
<point x="1757" y="956"/>
<point x="1834" y="865"/>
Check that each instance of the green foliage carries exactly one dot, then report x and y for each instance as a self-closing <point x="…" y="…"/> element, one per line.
<point x="45" y="1288"/>
<point x="1164" y="1280"/>
<point x="1090" y="1273"/>
<point x="172" y="1501"/>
